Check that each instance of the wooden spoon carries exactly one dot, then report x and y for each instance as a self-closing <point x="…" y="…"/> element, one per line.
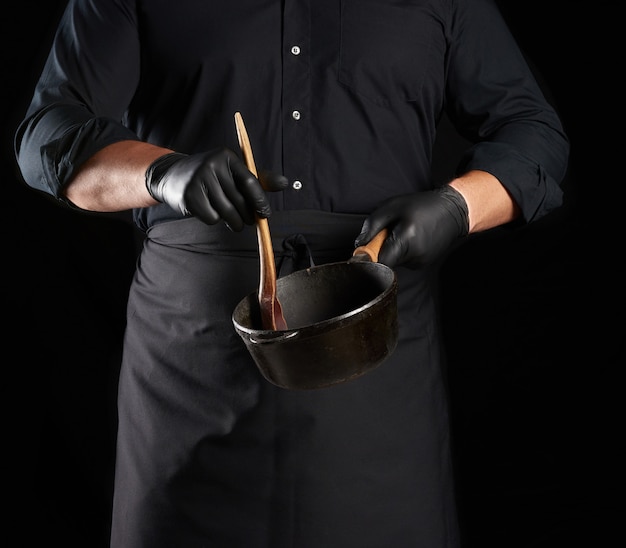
<point x="271" y="310"/>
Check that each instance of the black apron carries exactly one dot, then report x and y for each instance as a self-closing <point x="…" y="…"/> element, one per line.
<point x="210" y="454"/>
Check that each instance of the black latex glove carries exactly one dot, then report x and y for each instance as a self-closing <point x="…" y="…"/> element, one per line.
<point x="422" y="226"/>
<point x="212" y="186"/>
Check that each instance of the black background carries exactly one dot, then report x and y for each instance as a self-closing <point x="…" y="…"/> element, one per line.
<point x="534" y="320"/>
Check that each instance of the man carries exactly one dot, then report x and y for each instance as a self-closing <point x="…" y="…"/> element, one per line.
<point x="134" y="110"/>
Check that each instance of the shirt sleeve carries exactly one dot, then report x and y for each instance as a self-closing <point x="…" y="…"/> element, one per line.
<point x="81" y="97"/>
<point x="495" y="101"/>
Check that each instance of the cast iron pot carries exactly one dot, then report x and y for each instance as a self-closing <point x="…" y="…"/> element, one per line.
<point x="342" y="322"/>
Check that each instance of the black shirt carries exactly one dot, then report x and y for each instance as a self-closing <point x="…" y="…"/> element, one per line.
<point x="342" y="96"/>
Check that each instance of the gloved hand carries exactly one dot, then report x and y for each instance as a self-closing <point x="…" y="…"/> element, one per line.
<point x="422" y="226"/>
<point x="212" y="185"/>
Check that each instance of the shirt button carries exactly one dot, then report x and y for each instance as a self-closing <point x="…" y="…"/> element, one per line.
<point x="297" y="185"/>
<point x="296" y="114"/>
<point x="295" y="50"/>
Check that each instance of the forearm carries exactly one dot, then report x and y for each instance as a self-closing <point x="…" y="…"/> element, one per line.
<point x="488" y="202"/>
<point x="113" y="179"/>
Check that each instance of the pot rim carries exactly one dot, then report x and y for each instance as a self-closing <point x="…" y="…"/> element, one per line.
<point x="335" y="322"/>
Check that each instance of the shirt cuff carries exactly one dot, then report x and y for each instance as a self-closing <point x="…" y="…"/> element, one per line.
<point x="534" y="191"/>
<point x="62" y="157"/>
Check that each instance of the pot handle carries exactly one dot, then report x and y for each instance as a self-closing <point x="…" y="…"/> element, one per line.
<point x="369" y="252"/>
<point x="272" y="336"/>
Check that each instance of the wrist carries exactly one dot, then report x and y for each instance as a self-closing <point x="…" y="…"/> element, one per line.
<point x="156" y="171"/>
<point x="489" y="202"/>
<point x="458" y="207"/>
